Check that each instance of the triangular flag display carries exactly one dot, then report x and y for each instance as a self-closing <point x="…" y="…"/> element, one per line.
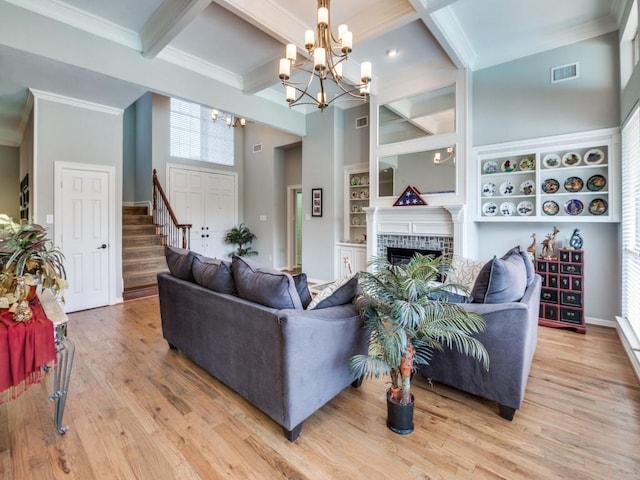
<point x="409" y="198"/>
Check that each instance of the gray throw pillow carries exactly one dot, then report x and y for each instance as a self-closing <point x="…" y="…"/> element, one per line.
<point x="501" y="281"/>
<point x="528" y="263"/>
<point x="263" y="285"/>
<point x="339" y="293"/>
<point x="179" y="262"/>
<point x="302" y="287"/>
<point x="213" y="273"/>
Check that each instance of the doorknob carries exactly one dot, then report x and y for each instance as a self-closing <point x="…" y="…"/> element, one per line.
<point x="104" y="245"/>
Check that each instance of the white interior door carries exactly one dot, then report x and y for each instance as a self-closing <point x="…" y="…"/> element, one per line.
<point x="187" y="200"/>
<point x="83" y="216"/>
<point x="220" y="213"/>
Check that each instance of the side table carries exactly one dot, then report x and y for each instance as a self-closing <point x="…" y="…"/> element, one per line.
<point x="65" y="351"/>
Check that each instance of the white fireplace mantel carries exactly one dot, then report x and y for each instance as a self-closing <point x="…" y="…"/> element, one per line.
<point x="438" y="221"/>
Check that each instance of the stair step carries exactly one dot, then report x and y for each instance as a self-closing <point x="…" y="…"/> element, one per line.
<point x="137" y="220"/>
<point x="140" y="292"/>
<point x="144" y="264"/>
<point x="143" y="251"/>
<point x="140" y="240"/>
<point x="142" y="278"/>
<point x="138" y="230"/>
<point x="134" y="210"/>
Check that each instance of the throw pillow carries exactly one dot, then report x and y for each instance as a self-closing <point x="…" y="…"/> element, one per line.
<point x="338" y="293"/>
<point x="302" y="287"/>
<point x="528" y="263"/>
<point x="464" y="271"/>
<point x="179" y="262"/>
<point x="263" y="285"/>
<point x="501" y="281"/>
<point x="213" y="273"/>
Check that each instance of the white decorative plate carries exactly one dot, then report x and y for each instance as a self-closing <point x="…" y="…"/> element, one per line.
<point x="490" y="167"/>
<point x="528" y="187"/>
<point x="489" y="189"/>
<point x="594" y="157"/>
<point x="571" y="159"/>
<point x="528" y="163"/>
<point x="364" y="180"/>
<point x="364" y="194"/>
<point x="507" y="188"/>
<point x="355" y="221"/>
<point x="507" y="209"/>
<point x="551" y="160"/>
<point x="489" y="209"/>
<point x="355" y="181"/>
<point x="508" y="166"/>
<point x="525" y="208"/>
<point x="354" y="195"/>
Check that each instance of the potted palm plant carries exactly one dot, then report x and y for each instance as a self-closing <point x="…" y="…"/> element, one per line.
<point x="407" y="316"/>
<point x="242" y="237"/>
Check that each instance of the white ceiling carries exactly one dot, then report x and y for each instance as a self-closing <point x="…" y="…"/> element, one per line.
<point x="238" y="42"/>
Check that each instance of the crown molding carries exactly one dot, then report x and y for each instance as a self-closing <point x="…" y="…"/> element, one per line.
<point x="82" y="20"/>
<point x="24" y="120"/>
<point x="74" y="102"/>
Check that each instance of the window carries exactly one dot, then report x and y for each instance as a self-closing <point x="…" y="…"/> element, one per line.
<point x="195" y="136"/>
<point x="629" y="44"/>
<point x="630" y="220"/>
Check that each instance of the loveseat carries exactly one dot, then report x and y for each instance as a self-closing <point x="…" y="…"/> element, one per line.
<point x="254" y="335"/>
<point x="508" y="297"/>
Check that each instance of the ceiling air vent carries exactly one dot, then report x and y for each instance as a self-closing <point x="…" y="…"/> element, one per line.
<point x="565" y="72"/>
<point x="257" y="148"/>
<point x="362" y="122"/>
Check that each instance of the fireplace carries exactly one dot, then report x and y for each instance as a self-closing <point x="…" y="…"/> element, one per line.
<point x="397" y="255"/>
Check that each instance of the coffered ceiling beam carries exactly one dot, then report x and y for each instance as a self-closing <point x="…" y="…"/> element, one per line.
<point x="167" y="22"/>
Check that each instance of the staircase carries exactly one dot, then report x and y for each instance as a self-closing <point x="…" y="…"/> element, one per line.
<point x="142" y="253"/>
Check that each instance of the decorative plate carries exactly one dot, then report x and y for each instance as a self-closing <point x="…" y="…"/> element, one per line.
<point x="355" y="221"/>
<point x="551" y="160"/>
<point x="596" y="183"/>
<point x="355" y="208"/>
<point x="489" y="209"/>
<point x="573" y="184"/>
<point x="571" y="159"/>
<point x="525" y="208"/>
<point x="354" y="195"/>
<point x="550" y="207"/>
<point x="364" y="180"/>
<point x="528" y="163"/>
<point x="508" y="166"/>
<point x="489" y="189"/>
<point x="598" y="206"/>
<point x="594" y="157"/>
<point x="355" y="181"/>
<point x="550" y="185"/>
<point x="490" y="167"/>
<point x="574" y="207"/>
<point x="507" y="188"/>
<point x="507" y="209"/>
<point x="364" y="194"/>
<point x="528" y="187"/>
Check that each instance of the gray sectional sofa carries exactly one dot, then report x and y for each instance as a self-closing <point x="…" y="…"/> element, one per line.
<point x="285" y="360"/>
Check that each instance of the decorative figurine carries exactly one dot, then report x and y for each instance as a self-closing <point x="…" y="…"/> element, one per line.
<point x="576" y="239"/>
<point x="531" y="249"/>
<point x="549" y="245"/>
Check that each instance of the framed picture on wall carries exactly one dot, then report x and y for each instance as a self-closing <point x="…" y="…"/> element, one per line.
<point x="316" y="202"/>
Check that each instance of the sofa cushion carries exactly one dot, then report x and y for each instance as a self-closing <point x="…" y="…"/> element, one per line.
<point x="528" y="263"/>
<point x="213" y="273"/>
<point x="501" y="280"/>
<point x="339" y="292"/>
<point x="464" y="271"/>
<point x="263" y="285"/>
<point x="302" y="288"/>
<point x="179" y="262"/>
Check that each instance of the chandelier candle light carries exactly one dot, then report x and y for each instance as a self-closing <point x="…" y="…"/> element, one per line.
<point x="324" y="61"/>
<point x="230" y="120"/>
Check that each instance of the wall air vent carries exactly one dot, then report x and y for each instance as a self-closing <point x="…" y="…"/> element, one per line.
<point x="257" y="148"/>
<point x="565" y="72"/>
<point x="362" y="122"/>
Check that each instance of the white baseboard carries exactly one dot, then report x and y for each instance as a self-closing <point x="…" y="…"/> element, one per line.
<point x="117" y="300"/>
<point x="630" y="343"/>
<point x="599" y="321"/>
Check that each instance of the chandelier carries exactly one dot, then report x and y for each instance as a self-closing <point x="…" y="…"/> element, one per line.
<point x="326" y="54"/>
<point x="230" y="120"/>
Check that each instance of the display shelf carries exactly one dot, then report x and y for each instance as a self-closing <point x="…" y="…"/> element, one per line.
<point x="356" y="178"/>
<point x="570" y="178"/>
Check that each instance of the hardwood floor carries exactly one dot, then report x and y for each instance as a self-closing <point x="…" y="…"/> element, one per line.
<point x="137" y="410"/>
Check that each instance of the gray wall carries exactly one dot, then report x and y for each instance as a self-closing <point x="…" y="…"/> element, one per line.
<point x="142" y="167"/>
<point x="356" y="140"/>
<point x="129" y="154"/>
<point x="516" y="101"/>
<point x="10" y="181"/>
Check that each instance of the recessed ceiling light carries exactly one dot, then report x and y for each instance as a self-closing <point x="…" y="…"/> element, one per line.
<point x="392" y="53"/>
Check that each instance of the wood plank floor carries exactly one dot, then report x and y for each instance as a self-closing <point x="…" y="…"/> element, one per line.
<point x="137" y="410"/>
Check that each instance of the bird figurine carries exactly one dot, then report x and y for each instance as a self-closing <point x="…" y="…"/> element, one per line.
<point x="576" y="239"/>
<point x="531" y="249"/>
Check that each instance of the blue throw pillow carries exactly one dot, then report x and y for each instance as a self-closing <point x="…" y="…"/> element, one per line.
<point x="528" y="263"/>
<point x="501" y="280"/>
<point x="213" y="273"/>
<point x="179" y="262"/>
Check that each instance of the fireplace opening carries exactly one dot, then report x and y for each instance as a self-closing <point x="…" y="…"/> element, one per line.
<point x="398" y="256"/>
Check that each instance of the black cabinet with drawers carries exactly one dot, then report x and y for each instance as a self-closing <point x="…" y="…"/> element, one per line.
<point x="562" y="296"/>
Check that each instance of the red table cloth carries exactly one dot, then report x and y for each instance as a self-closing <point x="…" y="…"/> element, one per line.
<point x="25" y="348"/>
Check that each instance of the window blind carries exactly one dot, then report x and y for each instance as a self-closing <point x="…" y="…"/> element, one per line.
<point x="630" y="223"/>
<point x="194" y="135"/>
